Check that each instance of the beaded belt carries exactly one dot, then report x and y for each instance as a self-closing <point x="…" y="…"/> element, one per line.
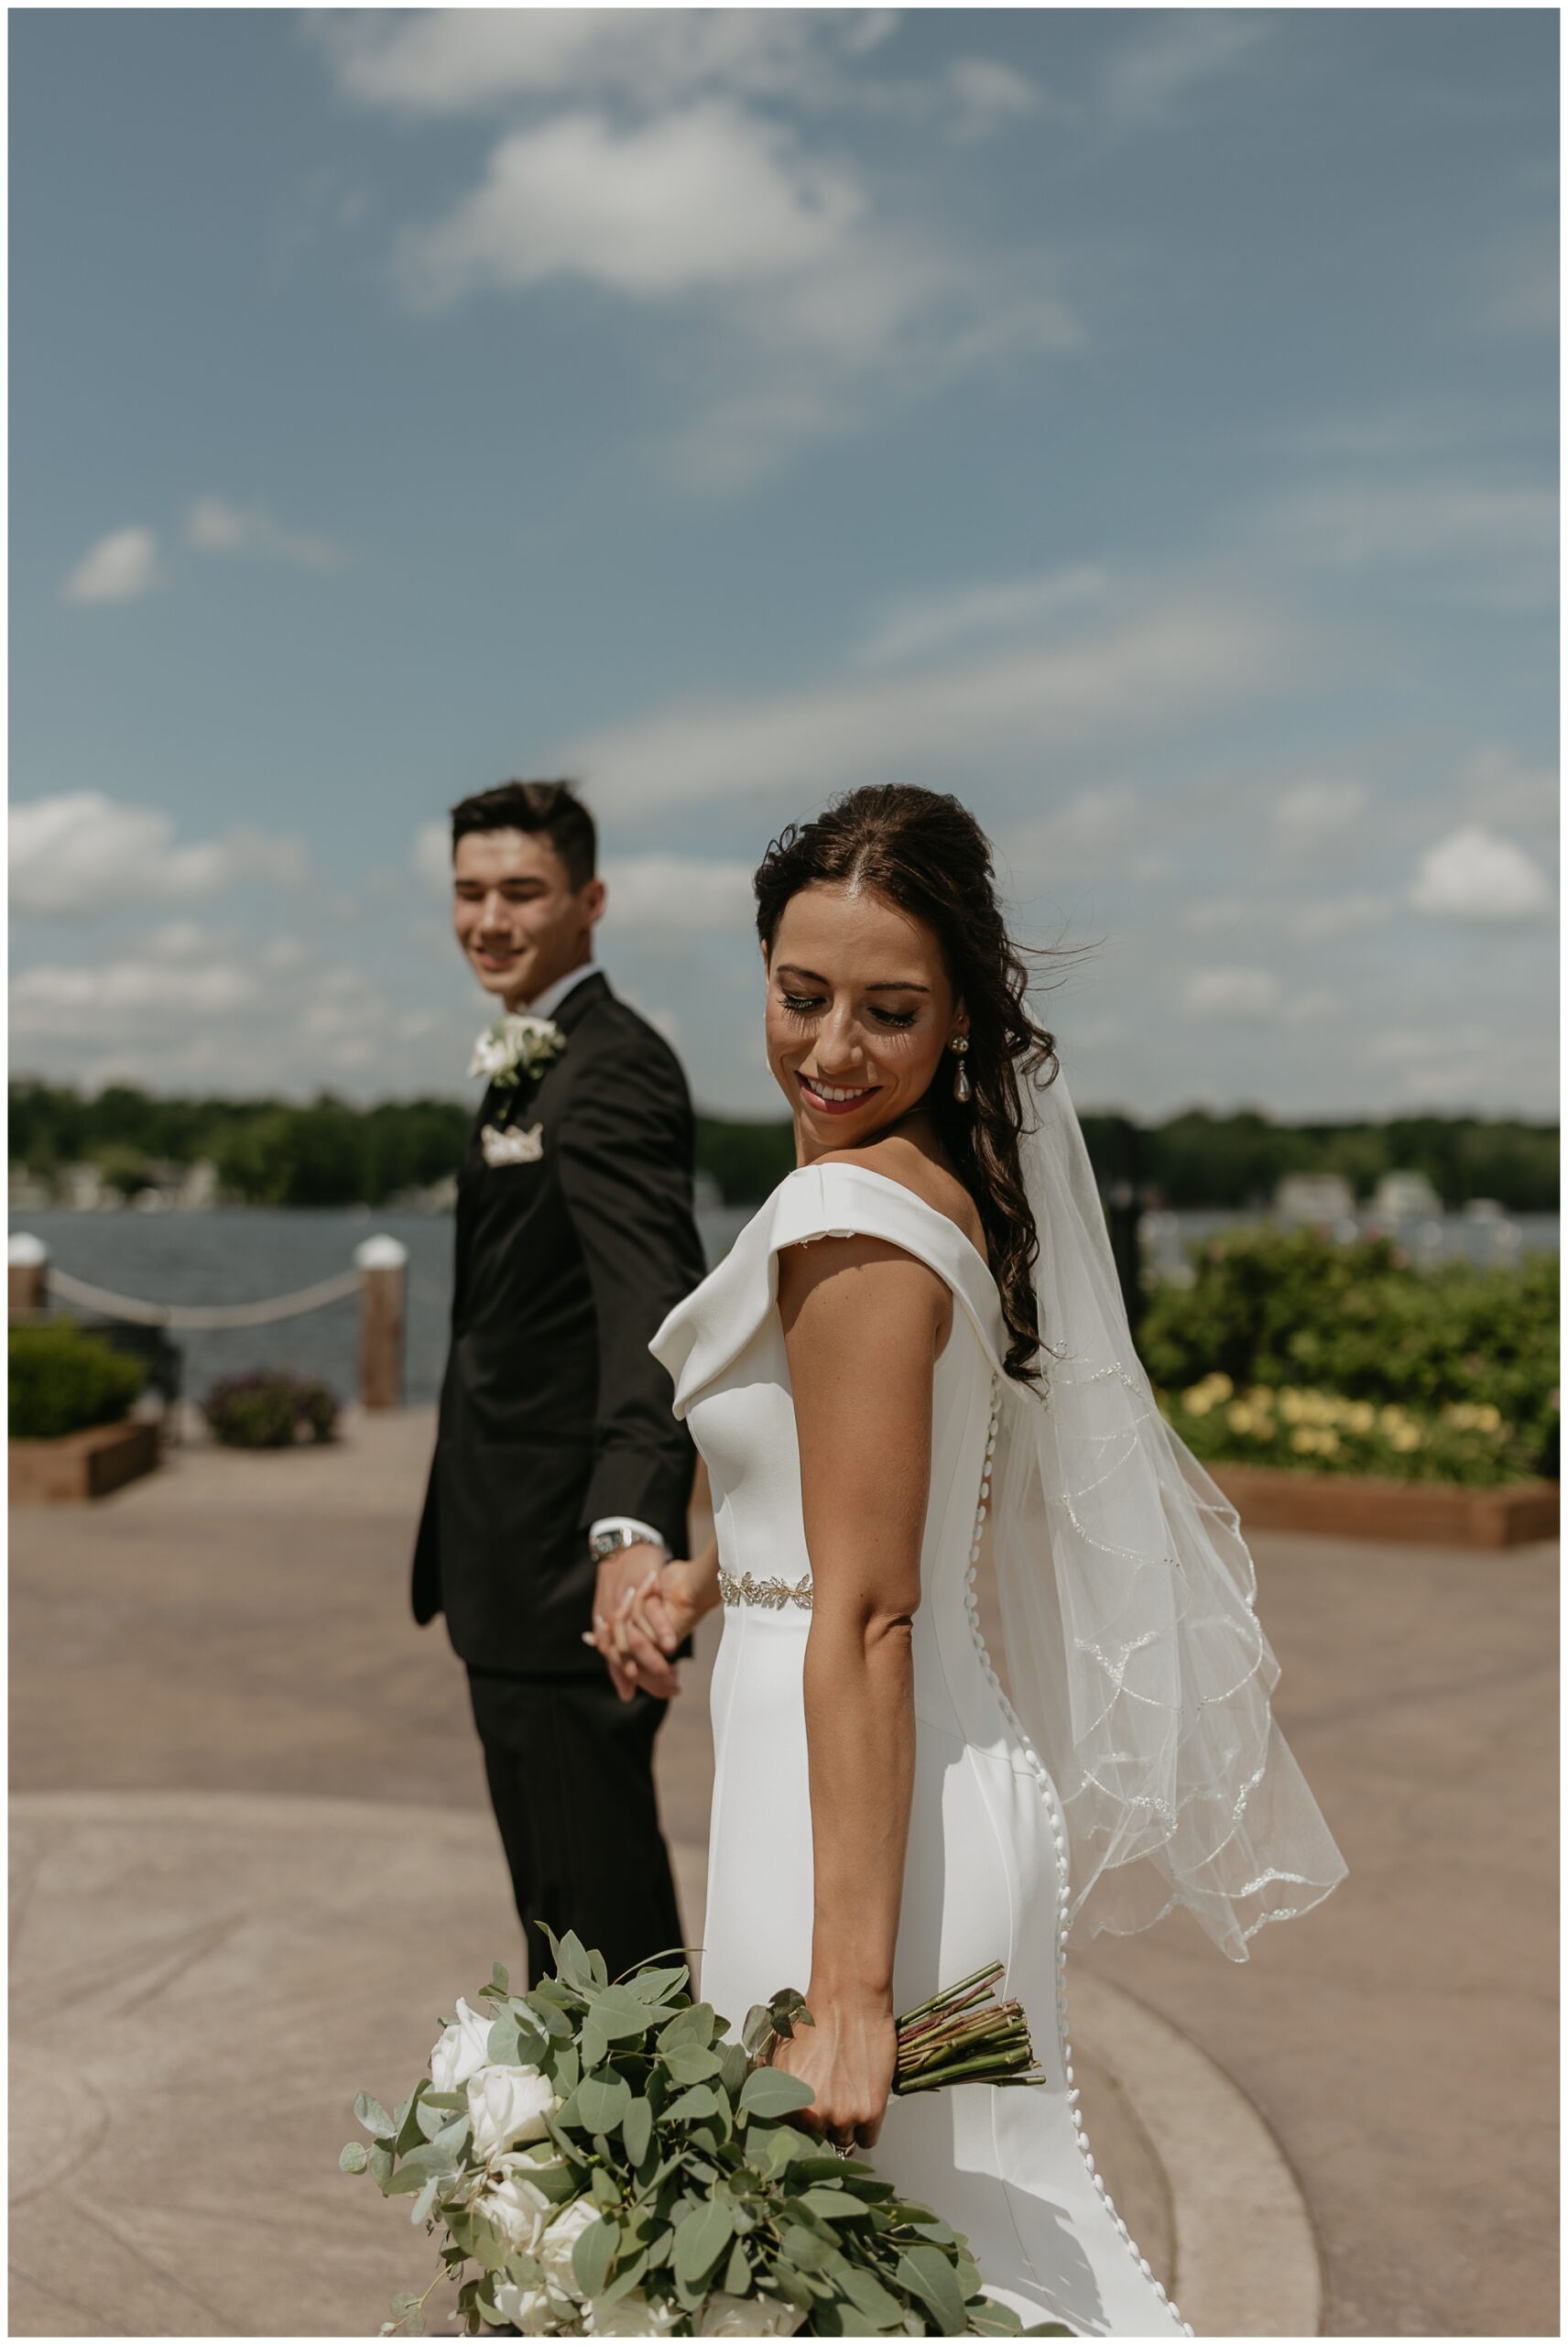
<point x="771" y="1594"/>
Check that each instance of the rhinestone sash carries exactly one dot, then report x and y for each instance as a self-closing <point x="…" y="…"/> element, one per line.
<point x="771" y="1594"/>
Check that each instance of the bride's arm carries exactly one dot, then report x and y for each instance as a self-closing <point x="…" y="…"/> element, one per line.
<point x="863" y="1323"/>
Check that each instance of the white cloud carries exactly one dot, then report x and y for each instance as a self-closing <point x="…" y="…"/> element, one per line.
<point x="116" y="570"/>
<point x="1135" y="678"/>
<point x="213" y="527"/>
<point x="1090" y="835"/>
<point x="1505" y="788"/>
<point x="918" y="625"/>
<point x="1498" y="544"/>
<point x="1338" y="916"/>
<point x="1231" y="993"/>
<point x="1220" y="915"/>
<point x="430" y="855"/>
<point x="1318" y="1006"/>
<point x="54" y="1004"/>
<point x="682" y="894"/>
<point x="456" y="60"/>
<point x="709" y="197"/>
<point x="84" y="851"/>
<point x="1310" y="813"/>
<point x="1148" y="75"/>
<point x="989" y="96"/>
<point x="1480" y="879"/>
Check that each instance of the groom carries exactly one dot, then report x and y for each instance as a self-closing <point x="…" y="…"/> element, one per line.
<point x="561" y="1478"/>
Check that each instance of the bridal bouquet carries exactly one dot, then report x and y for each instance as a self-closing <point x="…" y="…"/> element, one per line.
<point x="609" y="2166"/>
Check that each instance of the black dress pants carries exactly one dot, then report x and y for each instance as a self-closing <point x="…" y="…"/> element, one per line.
<point x="570" y="1773"/>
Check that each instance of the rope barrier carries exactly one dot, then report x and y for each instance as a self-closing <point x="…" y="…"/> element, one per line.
<point x="195" y="1315"/>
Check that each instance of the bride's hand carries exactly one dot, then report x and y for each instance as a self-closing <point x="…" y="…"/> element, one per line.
<point x="848" y="2058"/>
<point x="647" y="1626"/>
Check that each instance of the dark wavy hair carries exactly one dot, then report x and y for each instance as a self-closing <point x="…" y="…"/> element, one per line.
<point x="925" y="853"/>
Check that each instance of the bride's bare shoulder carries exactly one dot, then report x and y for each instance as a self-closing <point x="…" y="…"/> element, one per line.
<point x="896" y="1158"/>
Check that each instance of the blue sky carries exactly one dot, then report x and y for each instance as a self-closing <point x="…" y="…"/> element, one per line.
<point x="1142" y="423"/>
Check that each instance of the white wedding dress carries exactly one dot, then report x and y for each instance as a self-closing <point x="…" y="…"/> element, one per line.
<point x="986" y="1875"/>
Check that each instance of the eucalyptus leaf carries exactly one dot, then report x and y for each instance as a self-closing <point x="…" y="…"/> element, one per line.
<point x="738" y="2271"/>
<point x="701" y="2239"/>
<point x="502" y="2043"/>
<point x="571" y="1962"/>
<point x="988" y="2319"/>
<point x="694" y="2025"/>
<point x="626" y="2279"/>
<point x="654" y="1986"/>
<point x="372" y="2116"/>
<point x="354" y="2158"/>
<point x="637" y="2129"/>
<point x="691" y="2064"/>
<point x="595" y="2044"/>
<point x="926" y="2273"/>
<point x="603" y="2100"/>
<point x="620" y="2013"/>
<point x="593" y="2254"/>
<point x="425" y="2201"/>
<point x="702" y="2101"/>
<point x="774" y="2092"/>
<point x="833" y="2205"/>
<point x="878" y="2304"/>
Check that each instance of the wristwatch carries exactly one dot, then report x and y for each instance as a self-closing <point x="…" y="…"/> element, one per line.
<point x="611" y="1543"/>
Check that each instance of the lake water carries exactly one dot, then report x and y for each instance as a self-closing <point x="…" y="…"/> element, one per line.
<point x="243" y="1254"/>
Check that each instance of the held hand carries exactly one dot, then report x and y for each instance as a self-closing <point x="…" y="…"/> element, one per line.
<point x="638" y="1637"/>
<point x="621" y="1575"/>
<point x="848" y="2058"/>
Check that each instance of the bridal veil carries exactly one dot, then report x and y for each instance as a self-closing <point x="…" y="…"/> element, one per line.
<point x="1135" y="1658"/>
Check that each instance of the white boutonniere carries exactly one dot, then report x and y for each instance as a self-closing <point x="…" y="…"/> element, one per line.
<point x="516" y="1045"/>
<point x="505" y="1144"/>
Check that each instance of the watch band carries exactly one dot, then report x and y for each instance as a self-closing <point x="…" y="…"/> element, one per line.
<point x="625" y="1534"/>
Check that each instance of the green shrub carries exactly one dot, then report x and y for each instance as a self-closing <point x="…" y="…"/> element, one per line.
<point x="62" y="1380"/>
<point x="1289" y="1311"/>
<point x="270" y="1409"/>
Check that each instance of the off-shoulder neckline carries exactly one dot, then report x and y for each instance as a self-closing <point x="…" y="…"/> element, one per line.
<point x="867" y="1173"/>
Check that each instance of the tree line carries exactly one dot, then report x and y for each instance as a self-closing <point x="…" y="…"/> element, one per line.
<point x="275" y="1153"/>
<point x="328" y="1152"/>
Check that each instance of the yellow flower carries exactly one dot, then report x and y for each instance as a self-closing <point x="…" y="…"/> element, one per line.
<point x="1304" y="1440"/>
<point x="1220" y="1386"/>
<point x="1291" y="1407"/>
<point x="1239" y="1417"/>
<point x="1198" y="1401"/>
<point x="1361" y="1416"/>
<point x="1406" y="1437"/>
<point x="1328" y="1442"/>
<point x="1488" y="1418"/>
<point x="1391" y="1417"/>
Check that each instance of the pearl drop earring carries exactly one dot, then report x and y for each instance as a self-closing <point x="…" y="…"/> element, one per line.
<point x="960" y="1047"/>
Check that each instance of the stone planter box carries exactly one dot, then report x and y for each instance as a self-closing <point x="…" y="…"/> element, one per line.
<point x="79" y="1465"/>
<point x="1365" y="1506"/>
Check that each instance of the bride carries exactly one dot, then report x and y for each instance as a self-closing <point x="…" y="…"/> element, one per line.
<point x="916" y="1349"/>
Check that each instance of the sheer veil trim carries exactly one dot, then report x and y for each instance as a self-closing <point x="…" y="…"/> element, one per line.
<point x="1136" y="1663"/>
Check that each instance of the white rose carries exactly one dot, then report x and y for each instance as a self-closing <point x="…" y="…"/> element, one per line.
<point x="633" y="2314"/>
<point x="506" y="2106"/>
<point x="535" y="2312"/>
<point x="518" y="2208"/>
<point x="555" y="2252"/>
<point x="490" y="1055"/>
<point x="460" y="2049"/>
<point x="724" y="2315"/>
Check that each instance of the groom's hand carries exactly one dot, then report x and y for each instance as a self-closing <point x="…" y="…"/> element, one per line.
<point x="620" y="1577"/>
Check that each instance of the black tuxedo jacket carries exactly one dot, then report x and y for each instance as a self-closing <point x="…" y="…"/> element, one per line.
<point x="552" y="1410"/>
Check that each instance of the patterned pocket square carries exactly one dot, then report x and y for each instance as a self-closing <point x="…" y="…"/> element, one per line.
<point x="508" y="1146"/>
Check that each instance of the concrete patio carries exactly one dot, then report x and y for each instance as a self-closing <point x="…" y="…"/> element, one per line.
<point x="251" y="1858"/>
